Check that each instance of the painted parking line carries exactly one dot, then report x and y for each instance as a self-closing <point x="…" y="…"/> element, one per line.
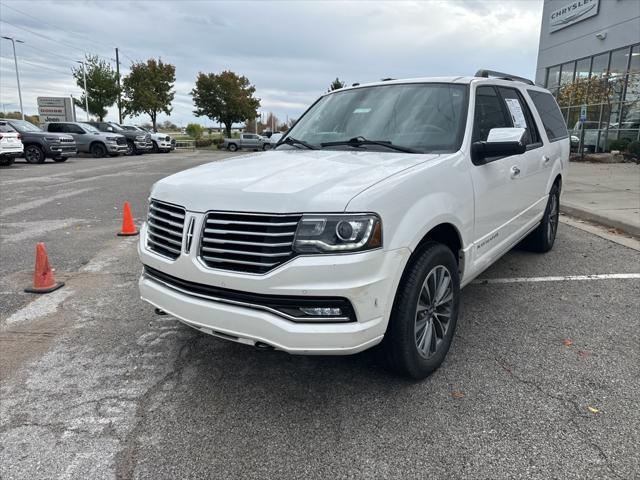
<point x="563" y="278"/>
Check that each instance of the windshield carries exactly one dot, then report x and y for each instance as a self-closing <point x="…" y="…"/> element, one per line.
<point x="129" y="127"/>
<point x="116" y="127"/>
<point x="425" y="117"/>
<point x="24" y="126"/>
<point x="90" y="128"/>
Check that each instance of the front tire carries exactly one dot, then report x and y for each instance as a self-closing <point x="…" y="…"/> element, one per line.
<point x="425" y="313"/>
<point x="233" y="147"/>
<point x="34" y="154"/>
<point x="98" y="150"/>
<point x="131" y="148"/>
<point x="155" y="148"/>
<point x="7" y="161"/>
<point x="541" y="240"/>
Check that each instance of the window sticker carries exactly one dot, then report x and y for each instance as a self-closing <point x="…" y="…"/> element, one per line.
<point x="517" y="115"/>
<point x="362" y="110"/>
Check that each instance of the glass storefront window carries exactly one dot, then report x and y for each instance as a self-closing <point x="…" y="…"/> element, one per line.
<point x="634" y="65"/>
<point x="553" y="78"/>
<point x="600" y="65"/>
<point x="633" y="88"/>
<point x="583" y="67"/>
<point x="567" y="73"/>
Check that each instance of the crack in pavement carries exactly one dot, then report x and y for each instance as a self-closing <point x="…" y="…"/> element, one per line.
<point x="569" y="405"/>
<point x="127" y="458"/>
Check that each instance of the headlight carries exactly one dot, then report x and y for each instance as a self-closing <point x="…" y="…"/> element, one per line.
<point x="52" y="139"/>
<point x="338" y="233"/>
<point x="112" y="139"/>
<point x="139" y="137"/>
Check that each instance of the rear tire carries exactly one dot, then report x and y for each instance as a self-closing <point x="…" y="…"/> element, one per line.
<point x="98" y="150"/>
<point x="34" y="154"/>
<point x="543" y="237"/>
<point x="131" y="148"/>
<point x="425" y="313"/>
<point x="233" y="147"/>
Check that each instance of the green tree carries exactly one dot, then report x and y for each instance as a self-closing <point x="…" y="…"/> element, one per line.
<point x="102" y="85"/>
<point x="225" y="97"/>
<point x="337" y="84"/>
<point x="149" y="89"/>
<point x="194" y="130"/>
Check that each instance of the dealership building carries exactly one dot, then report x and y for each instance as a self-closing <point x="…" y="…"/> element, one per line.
<point x="589" y="58"/>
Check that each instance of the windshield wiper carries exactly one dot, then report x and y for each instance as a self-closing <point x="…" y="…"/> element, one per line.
<point x="360" y="141"/>
<point x="295" y="142"/>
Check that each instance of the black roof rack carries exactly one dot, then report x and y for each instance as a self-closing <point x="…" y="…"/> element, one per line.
<point x="503" y="76"/>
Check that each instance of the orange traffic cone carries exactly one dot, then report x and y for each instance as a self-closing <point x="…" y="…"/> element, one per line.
<point x="43" y="279"/>
<point x="128" y="227"/>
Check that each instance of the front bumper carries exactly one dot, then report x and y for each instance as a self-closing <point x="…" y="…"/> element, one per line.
<point x="143" y="145"/>
<point x="367" y="280"/>
<point x="164" y="145"/>
<point x="58" y="150"/>
<point x="116" y="148"/>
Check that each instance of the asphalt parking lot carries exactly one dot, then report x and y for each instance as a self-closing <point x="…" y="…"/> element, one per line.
<point x="542" y="381"/>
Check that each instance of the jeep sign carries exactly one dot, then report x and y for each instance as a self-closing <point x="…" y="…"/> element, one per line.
<point x="572" y="13"/>
<point x="55" y="109"/>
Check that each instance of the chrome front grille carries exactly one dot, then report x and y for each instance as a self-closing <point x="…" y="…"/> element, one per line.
<point x="165" y="226"/>
<point x="247" y="242"/>
<point x="121" y="140"/>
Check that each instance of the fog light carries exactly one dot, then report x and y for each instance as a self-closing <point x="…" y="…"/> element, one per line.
<point x="321" y="311"/>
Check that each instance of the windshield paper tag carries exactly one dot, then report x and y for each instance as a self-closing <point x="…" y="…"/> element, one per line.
<point x="516" y="112"/>
<point x="362" y="110"/>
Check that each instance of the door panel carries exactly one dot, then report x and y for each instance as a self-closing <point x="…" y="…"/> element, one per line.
<point x="497" y="184"/>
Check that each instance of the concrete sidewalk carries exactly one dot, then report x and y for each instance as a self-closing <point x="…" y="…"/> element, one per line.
<point x="608" y="194"/>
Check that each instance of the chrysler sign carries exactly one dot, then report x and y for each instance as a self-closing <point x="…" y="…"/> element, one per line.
<point x="572" y="13"/>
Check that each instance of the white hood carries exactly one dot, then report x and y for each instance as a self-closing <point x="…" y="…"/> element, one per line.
<point x="287" y="181"/>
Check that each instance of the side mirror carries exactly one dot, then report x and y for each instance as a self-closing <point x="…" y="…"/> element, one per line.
<point x="501" y="142"/>
<point x="110" y="129"/>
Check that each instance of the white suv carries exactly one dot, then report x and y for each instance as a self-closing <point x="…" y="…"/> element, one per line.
<point x="379" y="205"/>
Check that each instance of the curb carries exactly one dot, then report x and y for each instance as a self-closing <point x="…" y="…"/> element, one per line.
<point x="601" y="219"/>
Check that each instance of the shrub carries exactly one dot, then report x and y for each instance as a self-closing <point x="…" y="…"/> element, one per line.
<point x="634" y="148"/>
<point x="201" y="143"/>
<point x="194" y="130"/>
<point x="619" y="144"/>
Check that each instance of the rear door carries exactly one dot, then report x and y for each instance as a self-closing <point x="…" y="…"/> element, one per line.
<point x="82" y="142"/>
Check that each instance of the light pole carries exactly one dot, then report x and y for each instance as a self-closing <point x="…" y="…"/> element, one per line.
<point x="86" y="93"/>
<point x="15" y="59"/>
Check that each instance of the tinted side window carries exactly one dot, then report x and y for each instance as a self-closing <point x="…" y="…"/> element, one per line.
<point x="549" y="111"/>
<point x="54" y="127"/>
<point x="70" y="128"/>
<point x="520" y="114"/>
<point x="489" y="113"/>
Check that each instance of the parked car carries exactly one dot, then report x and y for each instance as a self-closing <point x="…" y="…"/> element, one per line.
<point x="39" y="145"/>
<point x="137" y="142"/>
<point x="362" y="226"/>
<point x="89" y="139"/>
<point x="10" y="144"/>
<point x="161" y="142"/>
<point x="248" y="141"/>
<point x="275" y="138"/>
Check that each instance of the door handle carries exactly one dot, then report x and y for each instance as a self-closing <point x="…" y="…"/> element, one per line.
<point x="545" y="159"/>
<point x="515" y="171"/>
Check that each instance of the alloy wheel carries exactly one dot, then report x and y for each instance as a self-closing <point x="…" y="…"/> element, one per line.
<point x="433" y="311"/>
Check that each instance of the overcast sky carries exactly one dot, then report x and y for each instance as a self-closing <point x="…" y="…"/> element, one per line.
<point x="290" y="50"/>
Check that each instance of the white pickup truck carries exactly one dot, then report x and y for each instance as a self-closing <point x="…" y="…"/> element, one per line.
<point x="362" y="226"/>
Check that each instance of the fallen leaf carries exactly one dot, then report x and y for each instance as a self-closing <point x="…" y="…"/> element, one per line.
<point x="567" y="342"/>
<point x="593" y="409"/>
<point x="457" y="394"/>
<point x="583" y="353"/>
